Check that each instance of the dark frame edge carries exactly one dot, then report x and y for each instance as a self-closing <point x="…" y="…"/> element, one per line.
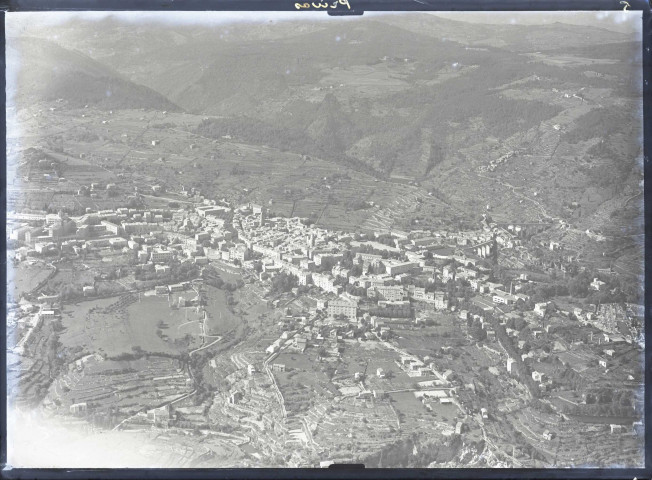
<point x="302" y="473"/>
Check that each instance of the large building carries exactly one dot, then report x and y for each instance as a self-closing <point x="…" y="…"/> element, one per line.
<point x="369" y="259"/>
<point x="303" y="277"/>
<point x="161" y="256"/>
<point x="140" y="227"/>
<point x="115" y="229"/>
<point x="27" y="217"/>
<point x="326" y="283"/>
<point x="19" y="233"/>
<point x="401" y="267"/>
<point x="504" y="297"/>
<point x="318" y="258"/>
<point x="239" y="252"/>
<point x="118" y="242"/>
<point x="419" y="293"/>
<point x="448" y="273"/>
<point x="212" y="211"/>
<point x="341" y="306"/>
<point x="267" y="251"/>
<point x="52" y="218"/>
<point x="388" y="293"/>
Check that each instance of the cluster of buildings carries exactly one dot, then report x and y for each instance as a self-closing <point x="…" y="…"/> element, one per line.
<point x="380" y="271"/>
<point x="355" y="272"/>
<point x="53" y="233"/>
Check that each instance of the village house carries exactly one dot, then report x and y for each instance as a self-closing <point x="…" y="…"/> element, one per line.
<point x="597" y="284"/>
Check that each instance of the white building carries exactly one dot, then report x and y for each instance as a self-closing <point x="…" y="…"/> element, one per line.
<point x="341" y="306"/>
<point x="388" y="293"/>
<point x="239" y="252"/>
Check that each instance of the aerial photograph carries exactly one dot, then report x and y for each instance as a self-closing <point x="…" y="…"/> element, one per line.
<point x="291" y="240"/>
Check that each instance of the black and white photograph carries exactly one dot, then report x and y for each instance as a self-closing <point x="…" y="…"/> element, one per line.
<point x="293" y="240"/>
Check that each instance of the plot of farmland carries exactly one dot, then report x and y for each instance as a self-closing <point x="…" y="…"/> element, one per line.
<point x="569" y="60"/>
<point x="24" y="278"/>
<point x="365" y="79"/>
<point x="424" y="341"/>
<point x="219" y="318"/>
<point x="116" y="325"/>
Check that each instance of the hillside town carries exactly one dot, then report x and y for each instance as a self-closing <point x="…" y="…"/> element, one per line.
<point x="424" y="298"/>
<point x="400" y="240"/>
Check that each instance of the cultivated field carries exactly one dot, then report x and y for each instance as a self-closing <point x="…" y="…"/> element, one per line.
<point x="24" y="278"/>
<point x="220" y="319"/>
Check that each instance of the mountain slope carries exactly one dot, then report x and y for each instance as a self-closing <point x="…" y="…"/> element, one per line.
<point x="505" y="115"/>
<point x="47" y="72"/>
<point x="513" y="37"/>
